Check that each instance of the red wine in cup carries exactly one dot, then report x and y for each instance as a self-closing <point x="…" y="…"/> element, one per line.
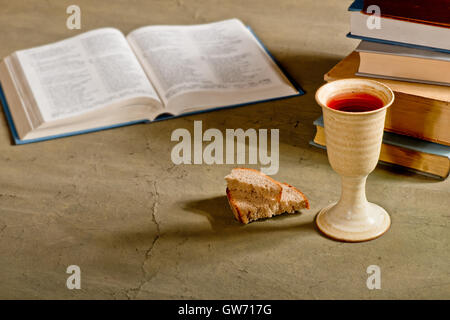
<point x="355" y="102"/>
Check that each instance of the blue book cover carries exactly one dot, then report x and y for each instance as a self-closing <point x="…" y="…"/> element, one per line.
<point x="18" y="141"/>
<point x="408" y="45"/>
<point x="357" y="5"/>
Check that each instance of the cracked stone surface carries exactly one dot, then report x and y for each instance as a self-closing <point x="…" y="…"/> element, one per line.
<point x="140" y="227"/>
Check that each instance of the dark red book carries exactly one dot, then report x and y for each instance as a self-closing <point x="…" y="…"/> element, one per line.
<point x="434" y="12"/>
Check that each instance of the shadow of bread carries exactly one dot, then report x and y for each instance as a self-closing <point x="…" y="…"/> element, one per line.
<point x="220" y="216"/>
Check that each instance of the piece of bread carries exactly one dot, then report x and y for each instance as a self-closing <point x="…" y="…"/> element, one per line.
<point x="244" y="182"/>
<point x="249" y="207"/>
<point x="253" y="195"/>
<point x="292" y="199"/>
<point x="251" y="180"/>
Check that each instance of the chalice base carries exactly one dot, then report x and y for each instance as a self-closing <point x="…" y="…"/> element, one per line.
<point x="340" y="227"/>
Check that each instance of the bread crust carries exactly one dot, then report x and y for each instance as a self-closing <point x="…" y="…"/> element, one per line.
<point x="241" y="217"/>
<point x="235" y="208"/>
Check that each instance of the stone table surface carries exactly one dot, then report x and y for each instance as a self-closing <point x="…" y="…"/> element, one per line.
<point x="139" y="227"/>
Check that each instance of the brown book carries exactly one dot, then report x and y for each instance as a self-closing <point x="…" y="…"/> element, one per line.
<point x="419" y="110"/>
<point x="433" y="164"/>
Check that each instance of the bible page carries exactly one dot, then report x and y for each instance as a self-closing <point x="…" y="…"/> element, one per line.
<point x="83" y="73"/>
<point x="222" y="57"/>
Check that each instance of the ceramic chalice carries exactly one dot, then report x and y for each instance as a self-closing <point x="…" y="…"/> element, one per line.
<point x="354" y="112"/>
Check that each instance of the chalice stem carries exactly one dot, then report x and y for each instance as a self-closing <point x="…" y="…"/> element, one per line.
<point x="353" y="193"/>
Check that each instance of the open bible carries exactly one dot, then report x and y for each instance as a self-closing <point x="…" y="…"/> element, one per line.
<point x="102" y="78"/>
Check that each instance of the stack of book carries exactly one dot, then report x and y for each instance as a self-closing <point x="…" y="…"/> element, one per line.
<point x="408" y="49"/>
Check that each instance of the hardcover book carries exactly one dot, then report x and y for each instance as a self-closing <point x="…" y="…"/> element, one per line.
<point x="399" y="32"/>
<point x="102" y="78"/>
<point x="402" y="63"/>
